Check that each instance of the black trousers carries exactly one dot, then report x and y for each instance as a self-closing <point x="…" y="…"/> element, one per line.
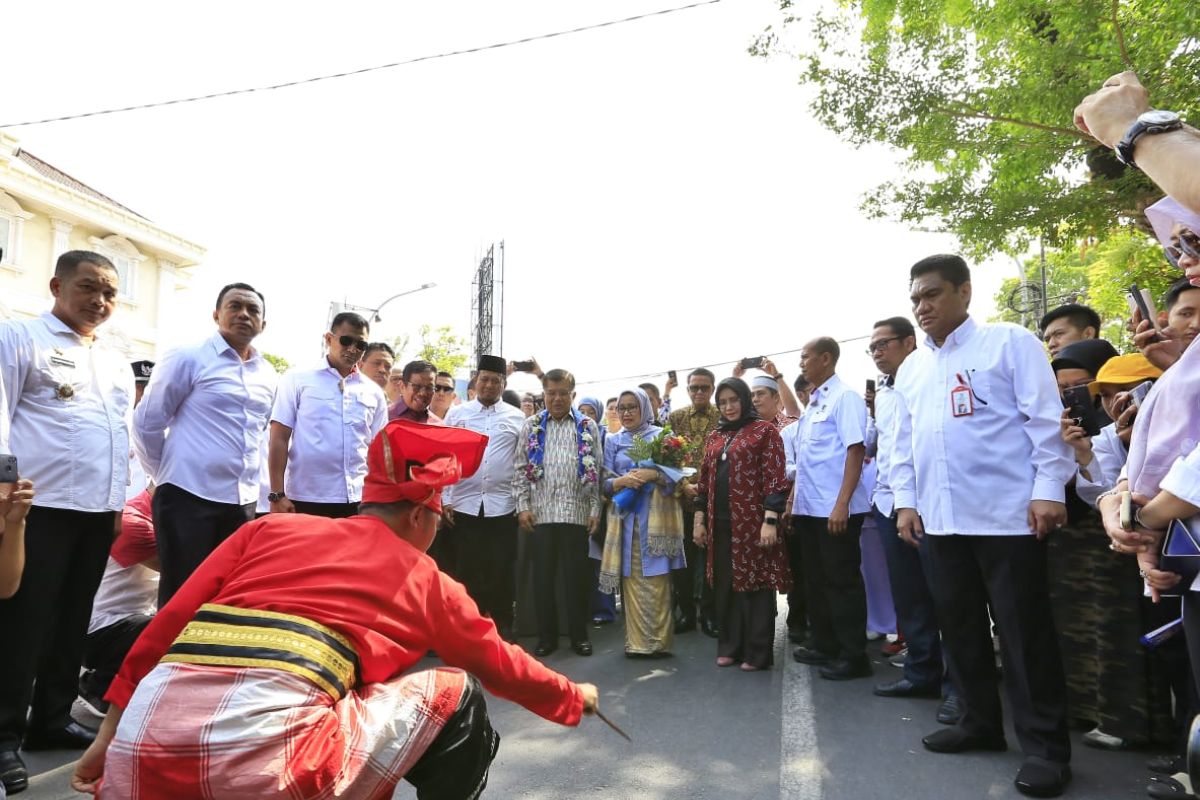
<point x="745" y="620"/>
<point x="561" y="546"/>
<point x="330" y="510"/>
<point x="797" y="618"/>
<point x="444" y="550"/>
<point x="105" y="651"/>
<point x="187" y="529"/>
<point x="837" y="598"/>
<point x="1007" y="574"/>
<point x="455" y="765"/>
<point x="690" y="584"/>
<point x="487" y="558"/>
<point x="42" y="626"/>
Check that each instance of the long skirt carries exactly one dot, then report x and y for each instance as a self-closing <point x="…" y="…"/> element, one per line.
<point x="232" y="733"/>
<point x="648" y="625"/>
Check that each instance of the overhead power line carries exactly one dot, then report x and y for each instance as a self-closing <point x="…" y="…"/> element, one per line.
<point x="706" y="366"/>
<point x="365" y="70"/>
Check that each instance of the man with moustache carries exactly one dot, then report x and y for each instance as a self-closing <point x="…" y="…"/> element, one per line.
<point x="979" y="479"/>
<point x="199" y="432"/>
<point x="377" y="363"/>
<point x="482" y="508"/>
<point x="416" y="393"/>
<point x="321" y="425"/>
<point x="764" y="393"/>
<point x="66" y="395"/>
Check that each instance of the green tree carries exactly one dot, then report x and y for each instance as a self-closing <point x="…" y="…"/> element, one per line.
<point x="978" y="96"/>
<point x="280" y="363"/>
<point x="440" y="346"/>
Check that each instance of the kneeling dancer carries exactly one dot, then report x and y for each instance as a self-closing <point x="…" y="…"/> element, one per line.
<point x="276" y="670"/>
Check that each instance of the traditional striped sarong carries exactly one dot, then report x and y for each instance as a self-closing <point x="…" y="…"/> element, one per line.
<point x="232" y="732"/>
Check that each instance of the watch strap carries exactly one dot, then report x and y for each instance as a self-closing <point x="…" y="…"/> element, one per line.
<point x="1136" y="131"/>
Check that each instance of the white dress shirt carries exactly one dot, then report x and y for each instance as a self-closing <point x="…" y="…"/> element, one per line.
<point x="333" y="421"/>
<point x="202" y="419"/>
<point x="885" y="446"/>
<point x="75" y="448"/>
<point x="976" y="474"/>
<point x="1108" y="459"/>
<point x="491" y="486"/>
<point x="791" y="448"/>
<point x="835" y="420"/>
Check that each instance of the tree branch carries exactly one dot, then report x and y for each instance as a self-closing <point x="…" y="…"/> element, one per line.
<point x="973" y="114"/>
<point x="1121" y="37"/>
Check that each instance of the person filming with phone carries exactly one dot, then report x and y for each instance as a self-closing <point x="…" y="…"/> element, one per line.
<point x="15" y="501"/>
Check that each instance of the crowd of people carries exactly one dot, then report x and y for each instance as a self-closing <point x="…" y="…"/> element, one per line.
<point x="188" y="544"/>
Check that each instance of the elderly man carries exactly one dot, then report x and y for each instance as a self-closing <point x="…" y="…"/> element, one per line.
<point x="482" y="508"/>
<point x="322" y="423"/>
<point x="199" y="432"/>
<point x="416" y="393"/>
<point x="764" y="393"/>
<point x="66" y="394"/>
<point x="979" y="479"/>
<point x="202" y="707"/>
<point x="556" y="478"/>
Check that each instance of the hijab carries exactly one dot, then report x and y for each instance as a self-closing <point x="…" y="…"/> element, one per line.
<point x="1089" y="355"/>
<point x="647" y="411"/>
<point x="1165" y="214"/>
<point x="594" y="403"/>
<point x="743" y="392"/>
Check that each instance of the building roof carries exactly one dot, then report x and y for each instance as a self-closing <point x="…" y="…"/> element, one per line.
<point x="55" y="174"/>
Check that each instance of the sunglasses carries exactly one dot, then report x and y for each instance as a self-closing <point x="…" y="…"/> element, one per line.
<point x="353" y="341"/>
<point x="443" y="389"/>
<point x="1189" y="245"/>
<point x="696" y="388"/>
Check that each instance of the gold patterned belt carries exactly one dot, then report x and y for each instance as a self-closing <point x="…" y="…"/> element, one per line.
<point x="235" y="637"/>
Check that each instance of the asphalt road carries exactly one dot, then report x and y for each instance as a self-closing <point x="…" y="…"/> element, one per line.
<point x="700" y="732"/>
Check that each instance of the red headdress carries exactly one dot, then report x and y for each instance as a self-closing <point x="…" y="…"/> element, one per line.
<point x="411" y="461"/>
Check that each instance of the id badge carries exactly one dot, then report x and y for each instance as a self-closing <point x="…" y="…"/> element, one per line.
<point x="961" y="403"/>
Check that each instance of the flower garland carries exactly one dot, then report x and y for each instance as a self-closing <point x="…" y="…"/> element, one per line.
<point x="536" y="449"/>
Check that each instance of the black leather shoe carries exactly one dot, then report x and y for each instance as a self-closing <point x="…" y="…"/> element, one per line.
<point x="13" y="774"/>
<point x="957" y="740"/>
<point x="708" y="627"/>
<point x="582" y="648"/>
<point x="544" y="649"/>
<point x="845" y="669"/>
<point x="72" y="737"/>
<point x="685" y="624"/>
<point x="810" y="655"/>
<point x="906" y="688"/>
<point x="797" y="637"/>
<point x="950" y="712"/>
<point x="1039" y="777"/>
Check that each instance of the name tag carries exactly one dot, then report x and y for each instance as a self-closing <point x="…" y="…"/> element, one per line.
<point x="59" y="361"/>
<point x="961" y="402"/>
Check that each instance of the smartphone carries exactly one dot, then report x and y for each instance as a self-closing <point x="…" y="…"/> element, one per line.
<point x="1082" y="407"/>
<point x="523" y="366"/>
<point x="1141" y="303"/>
<point x="1127" y="510"/>
<point x="8" y="474"/>
<point x="1138" y="393"/>
<point x="753" y="363"/>
<point x="671" y="375"/>
<point x="870" y="384"/>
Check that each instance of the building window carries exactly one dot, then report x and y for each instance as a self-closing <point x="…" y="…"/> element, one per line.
<point x="126" y="258"/>
<point x="126" y="275"/>
<point x="12" y="216"/>
<point x="7" y="246"/>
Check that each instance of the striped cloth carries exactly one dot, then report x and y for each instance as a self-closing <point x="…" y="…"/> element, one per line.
<point x="250" y="734"/>
<point x="560" y="496"/>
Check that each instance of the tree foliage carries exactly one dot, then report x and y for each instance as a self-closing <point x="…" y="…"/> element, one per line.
<point x="979" y="95"/>
<point x="280" y="363"/>
<point x="440" y="346"/>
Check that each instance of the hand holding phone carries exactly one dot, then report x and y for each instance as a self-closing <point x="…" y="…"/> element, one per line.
<point x="753" y="363"/>
<point x="523" y="366"/>
<point x="671" y="376"/>
<point x="8" y="474"/>
<point x="1138" y="393"/>
<point x="1141" y="305"/>
<point x="1082" y="408"/>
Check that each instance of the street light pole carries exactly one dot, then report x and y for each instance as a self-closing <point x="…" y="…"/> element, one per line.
<point x="375" y="312"/>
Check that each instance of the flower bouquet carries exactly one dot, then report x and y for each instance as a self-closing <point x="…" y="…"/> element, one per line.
<point x="666" y="453"/>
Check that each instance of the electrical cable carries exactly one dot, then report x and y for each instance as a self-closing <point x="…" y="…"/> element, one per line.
<point x="364" y="70"/>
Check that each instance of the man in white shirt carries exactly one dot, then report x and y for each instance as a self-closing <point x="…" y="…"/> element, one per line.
<point x="980" y="472"/>
<point x="828" y="509"/>
<point x="892" y="341"/>
<point x="199" y="432"/>
<point x="482" y="508"/>
<point x="66" y="395"/>
<point x="322" y="423"/>
<point x="443" y="394"/>
<point x="377" y="363"/>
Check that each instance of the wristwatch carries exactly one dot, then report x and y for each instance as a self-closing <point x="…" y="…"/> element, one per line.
<point x="1153" y="121"/>
<point x="772" y="521"/>
<point x="778" y="376"/>
<point x="275" y="497"/>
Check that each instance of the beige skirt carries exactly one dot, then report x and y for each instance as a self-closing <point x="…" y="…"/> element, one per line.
<point x="648" y="625"/>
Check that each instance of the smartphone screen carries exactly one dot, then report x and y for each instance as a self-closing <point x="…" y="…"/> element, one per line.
<point x="1140" y="299"/>
<point x="1078" y="401"/>
<point x="870" y="385"/>
<point x="8" y="474"/>
<point x="671" y="375"/>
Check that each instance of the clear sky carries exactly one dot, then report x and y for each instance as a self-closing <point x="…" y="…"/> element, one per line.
<point x="666" y="199"/>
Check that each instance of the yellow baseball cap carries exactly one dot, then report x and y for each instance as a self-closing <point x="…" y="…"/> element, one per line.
<point x="1130" y="368"/>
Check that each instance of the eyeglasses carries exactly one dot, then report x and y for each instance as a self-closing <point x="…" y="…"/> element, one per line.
<point x="1189" y="245"/>
<point x="353" y="341"/>
<point x="697" y="388"/>
<point x="628" y="409"/>
<point x="880" y="345"/>
<point x="443" y="389"/>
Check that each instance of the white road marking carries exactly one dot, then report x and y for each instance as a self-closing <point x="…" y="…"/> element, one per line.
<point x="799" y="754"/>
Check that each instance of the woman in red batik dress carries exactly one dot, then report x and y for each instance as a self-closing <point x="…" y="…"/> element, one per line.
<point x="742" y="491"/>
